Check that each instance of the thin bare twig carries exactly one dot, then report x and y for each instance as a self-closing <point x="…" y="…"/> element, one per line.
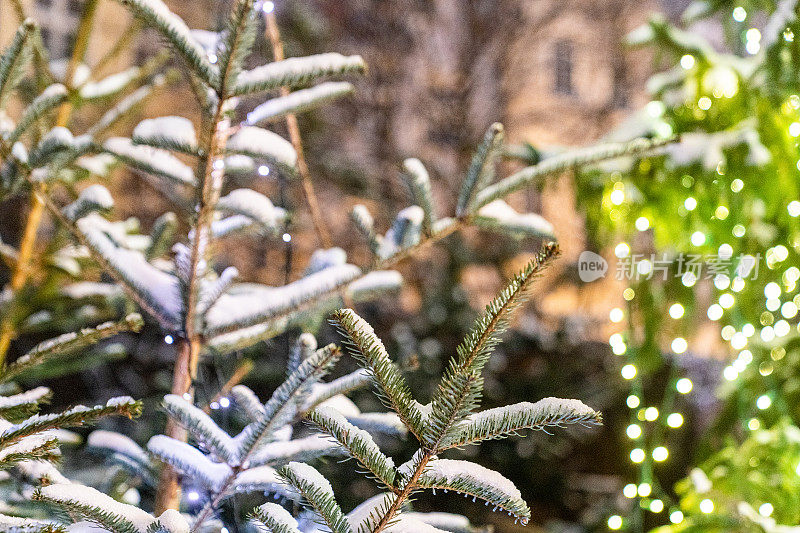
<point x="324" y="234"/>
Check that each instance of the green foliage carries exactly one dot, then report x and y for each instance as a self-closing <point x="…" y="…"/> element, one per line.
<point x="481" y="171"/>
<point x="317" y="491"/>
<point x="14" y="60"/>
<point x="296" y="71"/>
<point x="195" y="298"/>
<point x="459" y="393"/>
<point x="358" y="443"/>
<point x="723" y="196"/>
<point x="156" y="14"/>
<point x="68" y="344"/>
<point x="365" y="346"/>
<point x="752" y="486"/>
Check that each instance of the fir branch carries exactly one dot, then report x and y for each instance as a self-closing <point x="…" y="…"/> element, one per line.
<point x="248" y="402"/>
<point x="190" y="462"/>
<point x="94" y="198"/>
<point x="566" y="161"/>
<point x="68" y="344"/>
<point x="366" y="347"/>
<point x="343" y="385"/>
<point x="261" y="143"/>
<point x="282" y="405"/>
<point x="125" y="106"/>
<point x="154" y="290"/>
<point x="275" y="519"/>
<point x="505" y="421"/>
<point x="112" y="85"/>
<point x="296" y="71"/>
<point x="317" y="491"/>
<point x="304" y="346"/>
<point x="167" y="133"/>
<point x="482" y="169"/>
<point x="14" y="59"/>
<point x="459" y="392"/>
<point x="302" y="450"/>
<point x="155" y="161"/>
<point x="17" y="524"/>
<point x="239" y="36"/>
<point x="357" y="442"/>
<point x="98" y="507"/>
<point x="299" y="101"/>
<point x="162" y="235"/>
<point x="477" y="481"/>
<point x="420" y="183"/>
<point x="207" y="433"/>
<point x="36" y="448"/>
<point x="232" y="313"/>
<point x="155" y="13"/>
<point x="256" y="207"/>
<point x="77" y="416"/>
<point x="44" y="102"/>
<point x="24" y="404"/>
<point x="499" y="216"/>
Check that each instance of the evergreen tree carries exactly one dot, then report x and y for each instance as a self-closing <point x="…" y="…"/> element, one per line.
<point x="208" y="312"/>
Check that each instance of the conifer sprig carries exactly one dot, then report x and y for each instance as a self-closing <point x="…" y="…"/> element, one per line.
<point x="364" y="345"/>
<point x="69" y="343"/>
<point x="459" y="392"/>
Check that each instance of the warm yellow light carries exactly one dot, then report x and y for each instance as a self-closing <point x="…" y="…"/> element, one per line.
<point x="675" y="420"/>
<point x="634" y="431"/>
<point x="660" y="454"/>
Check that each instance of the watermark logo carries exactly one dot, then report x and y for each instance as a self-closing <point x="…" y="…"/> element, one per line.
<point x="591" y="266"/>
<point x="689" y="267"/>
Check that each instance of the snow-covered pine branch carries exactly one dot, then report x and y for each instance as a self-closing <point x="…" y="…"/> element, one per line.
<point x="110" y="85"/>
<point x="461" y="387"/>
<point x="357" y="442"/>
<point x="255" y="206"/>
<point x="299" y="101"/>
<point x="260" y="143"/>
<point x="15" y="59"/>
<point x="23" y="404"/>
<point x="505" y="421"/>
<point x="317" y="491"/>
<point x="44" y="102"/>
<point x="175" y="30"/>
<point x="482" y="169"/>
<point x="365" y="346"/>
<point x="114" y="516"/>
<point x="238" y="310"/>
<point x="69" y="343"/>
<point x="158" y="292"/>
<point x="419" y="182"/>
<point x="275" y="519"/>
<point x="499" y="216"/>
<point x="156" y="161"/>
<point x="477" y="481"/>
<point x="283" y="405"/>
<point x="560" y="163"/>
<point x="204" y="430"/>
<point x="296" y="71"/>
<point x="77" y="416"/>
<point x="91" y="199"/>
<point x="168" y="133"/>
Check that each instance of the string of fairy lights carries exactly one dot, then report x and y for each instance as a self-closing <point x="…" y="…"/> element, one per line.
<point x="649" y="425"/>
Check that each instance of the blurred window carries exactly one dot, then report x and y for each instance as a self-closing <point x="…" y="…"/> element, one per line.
<point x="563" y="67"/>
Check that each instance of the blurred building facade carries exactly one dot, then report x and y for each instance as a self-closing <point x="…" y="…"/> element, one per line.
<point x="555" y="72"/>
